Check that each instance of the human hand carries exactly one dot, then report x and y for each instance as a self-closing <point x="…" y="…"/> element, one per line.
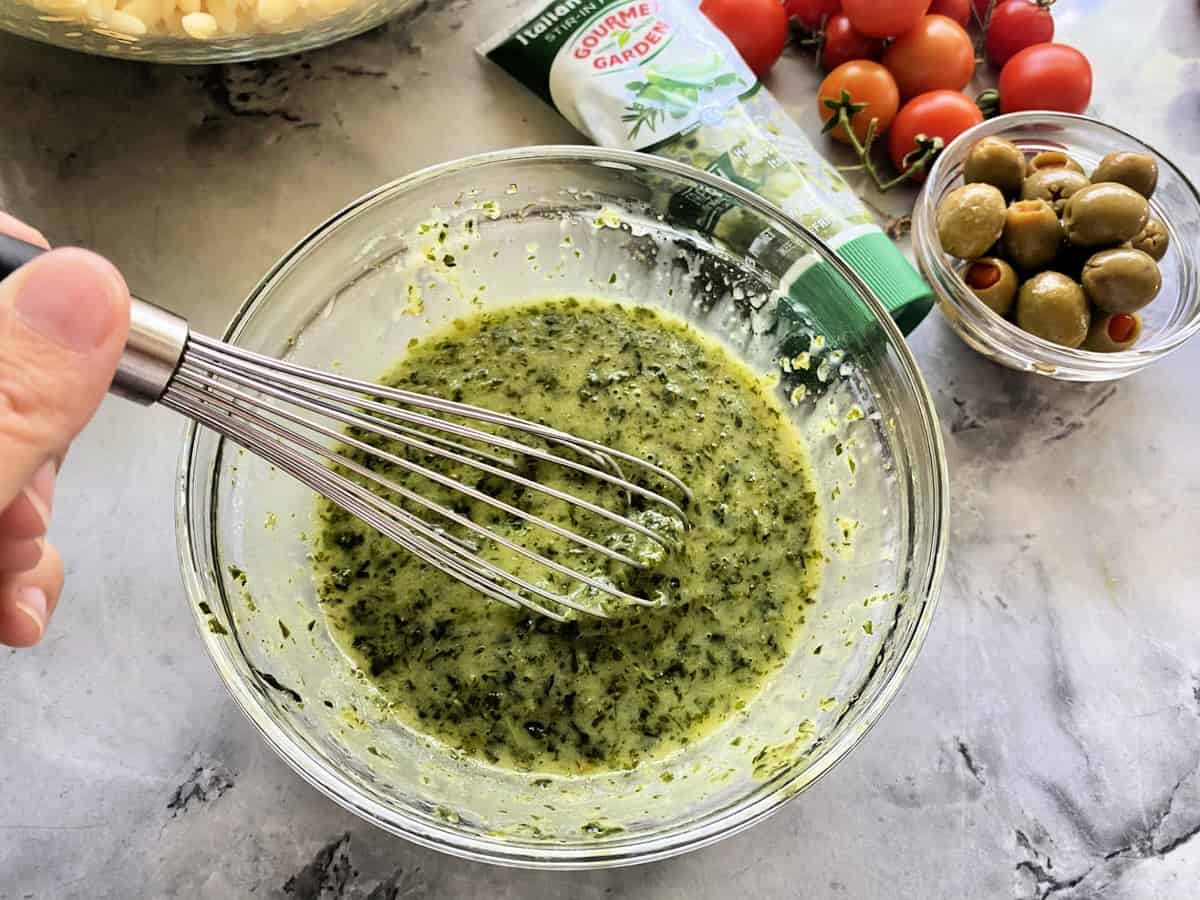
<point x="63" y="322"/>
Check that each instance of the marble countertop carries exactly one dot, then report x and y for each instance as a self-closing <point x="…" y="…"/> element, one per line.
<point x="1047" y="744"/>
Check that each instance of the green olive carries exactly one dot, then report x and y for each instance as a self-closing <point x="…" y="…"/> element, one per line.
<point x="970" y="219"/>
<point x="997" y="162"/>
<point x="1032" y="234"/>
<point x="1152" y="240"/>
<point x="1113" y="332"/>
<point x="1121" y="280"/>
<point x="1055" y="186"/>
<point x="1053" y="159"/>
<point x="1052" y="306"/>
<point x="993" y="281"/>
<point x="1138" y="171"/>
<point x="1104" y="213"/>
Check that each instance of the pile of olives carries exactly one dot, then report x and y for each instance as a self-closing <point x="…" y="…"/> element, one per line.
<point x="1069" y="258"/>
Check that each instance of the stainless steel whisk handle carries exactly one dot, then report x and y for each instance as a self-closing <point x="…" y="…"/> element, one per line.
<point x="152" y="353"/>
<point x="156" y="337"/>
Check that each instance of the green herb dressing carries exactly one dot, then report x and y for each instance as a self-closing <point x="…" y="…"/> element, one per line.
<point x="520" y="690"/>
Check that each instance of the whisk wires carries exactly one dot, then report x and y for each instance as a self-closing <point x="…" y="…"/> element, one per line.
<point x="300" y="419"/>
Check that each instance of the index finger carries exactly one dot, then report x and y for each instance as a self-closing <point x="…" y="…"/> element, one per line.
<point x="14" y="227"/>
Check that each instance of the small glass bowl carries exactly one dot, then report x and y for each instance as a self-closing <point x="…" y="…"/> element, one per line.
<point x="90" y="27"/>
<point x="1168" y="322"/>
<point x="608" y="224"/>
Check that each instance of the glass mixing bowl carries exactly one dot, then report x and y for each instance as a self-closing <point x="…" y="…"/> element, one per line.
<point x="1169" y="321"/>
<point x="244" y="29"/>
<point x="606" y="224"/>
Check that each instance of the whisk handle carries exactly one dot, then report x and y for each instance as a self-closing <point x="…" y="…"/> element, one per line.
<point x="152" y="353"/>
<point x="15" y="253"/>
<point x="156" y="337"/>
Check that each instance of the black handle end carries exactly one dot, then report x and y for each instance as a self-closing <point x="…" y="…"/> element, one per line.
<point x="15" y="253"/>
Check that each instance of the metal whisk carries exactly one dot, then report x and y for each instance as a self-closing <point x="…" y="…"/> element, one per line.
<point x="293" y="417"/>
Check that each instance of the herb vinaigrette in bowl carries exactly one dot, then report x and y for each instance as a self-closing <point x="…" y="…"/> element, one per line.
<point x="591" y="695"/>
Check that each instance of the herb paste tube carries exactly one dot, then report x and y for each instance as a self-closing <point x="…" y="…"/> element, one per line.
<point x="657" y="76"/>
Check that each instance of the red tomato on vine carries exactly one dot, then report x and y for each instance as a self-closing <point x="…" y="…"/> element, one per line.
<point x="757" y="28"/>
<point x="1017" y="24"/>
<point x="884" y="18"/>
<point x="867" y="83"/>
<point x="943" y="114"/>
<point x="958" y="10"/>
<point x="936" y="53"/>
<point x="812" y="12"/>
<point x="843" y="44"/>
<point x="1046" y="76"/>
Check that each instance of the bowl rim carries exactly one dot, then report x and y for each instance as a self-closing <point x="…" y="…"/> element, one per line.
<point x="730" y="820"/>
<point x="176" y="50"/>
<point x="1000" y="335"/>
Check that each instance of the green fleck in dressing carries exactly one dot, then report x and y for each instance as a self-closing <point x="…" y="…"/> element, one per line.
<point x="520" y="690"/>
<point x="597" y="829"/>
<point x="773" y="759"/>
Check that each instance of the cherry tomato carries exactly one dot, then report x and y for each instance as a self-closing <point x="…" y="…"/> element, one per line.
<point x="758" y="28"/>
<point x="812" y="12"/>
<point x="1046" y="76"/>
<point x="843" y="44"/>
<point x="936" y="53"/>
<point x="945" y="114"/>
<point x="958" y="10"/>
<point x="884" y="18"/>
<point x="1017" y="24"/>
<point x="866" y="82"/>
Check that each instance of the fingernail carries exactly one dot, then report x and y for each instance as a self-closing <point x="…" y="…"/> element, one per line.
<point x="42" y="485"/>
<point x="68" y="297"/>
<point x="32" y="601"/>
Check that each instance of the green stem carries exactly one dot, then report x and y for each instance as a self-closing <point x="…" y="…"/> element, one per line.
<point x="918" y="166"/>
<point x="989" y="103"/>
<point x="984" y="24"/>
<point x="862" y="149"/>
<point x="986" y="21"/>
<point x="803" y="38"/>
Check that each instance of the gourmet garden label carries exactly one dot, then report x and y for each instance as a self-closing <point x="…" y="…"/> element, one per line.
<point x="657" y="76"/>
<point x="626" y="74"/>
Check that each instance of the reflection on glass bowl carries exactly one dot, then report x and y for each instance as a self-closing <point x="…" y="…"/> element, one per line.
<point x="194" y="31"/>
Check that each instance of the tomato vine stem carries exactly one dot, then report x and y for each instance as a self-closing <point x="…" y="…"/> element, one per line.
<point x="914" y="163"/>
<point x="989" y="103"/>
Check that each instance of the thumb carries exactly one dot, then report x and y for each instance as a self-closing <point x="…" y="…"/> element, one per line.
<point x="63" y="322"/>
